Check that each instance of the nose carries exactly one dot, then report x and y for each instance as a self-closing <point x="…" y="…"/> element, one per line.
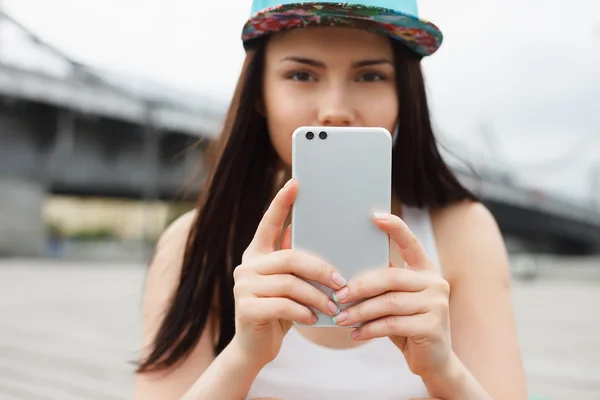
<point x="336" y="109"/>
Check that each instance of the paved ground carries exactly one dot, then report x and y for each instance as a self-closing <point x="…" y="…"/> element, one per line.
<point x="68" y="330"/>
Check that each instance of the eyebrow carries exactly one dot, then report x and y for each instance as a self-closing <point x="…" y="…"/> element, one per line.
<point x="320" y="64"/>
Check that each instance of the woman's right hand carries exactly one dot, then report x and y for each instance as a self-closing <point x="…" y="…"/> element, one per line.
<point x="268" y="291"/>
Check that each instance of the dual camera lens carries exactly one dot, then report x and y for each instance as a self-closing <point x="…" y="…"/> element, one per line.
<point x="310" y="135"/>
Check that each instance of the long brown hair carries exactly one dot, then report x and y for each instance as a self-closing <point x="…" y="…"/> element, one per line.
<point x="240" y="188"/>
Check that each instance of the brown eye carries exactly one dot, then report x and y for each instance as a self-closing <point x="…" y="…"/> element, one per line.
<point x="301" y="76"/>
<point x="371" y="77"/>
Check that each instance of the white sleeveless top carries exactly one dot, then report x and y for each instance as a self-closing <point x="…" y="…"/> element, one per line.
<point x="304" y="370"/>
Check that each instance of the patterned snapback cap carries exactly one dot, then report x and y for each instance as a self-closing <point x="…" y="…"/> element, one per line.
<point x="397" y="19"/>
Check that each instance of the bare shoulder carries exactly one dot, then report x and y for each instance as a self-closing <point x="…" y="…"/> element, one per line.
<point x="174" y="237"/>
<point x="469" y="213"/>
<point x="162" y="281"/>
<point x="165" y="270"/>
<point x="467" y="233"/>
<point x="165" y="267"/>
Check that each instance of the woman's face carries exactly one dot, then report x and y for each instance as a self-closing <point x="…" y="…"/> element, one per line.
<point x="327" y="77"/>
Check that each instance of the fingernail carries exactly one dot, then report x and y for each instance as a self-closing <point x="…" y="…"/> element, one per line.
<point x="314" y="319"/>
<point x="341" y="317"/>
<point x="288" y="183"/>
<point x="334" y="308"/>
<point x="354" y="334"/>
<point x="380" y="216"/>
<point x="338" y="280"/>
<point x="340" y="295"/>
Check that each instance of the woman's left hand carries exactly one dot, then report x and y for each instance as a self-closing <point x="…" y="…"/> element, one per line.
<point x="408" y="305"/>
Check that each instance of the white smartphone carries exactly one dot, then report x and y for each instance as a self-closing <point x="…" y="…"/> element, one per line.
<point x="344" y="175"/>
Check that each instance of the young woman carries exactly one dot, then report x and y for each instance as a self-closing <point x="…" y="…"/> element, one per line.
<point x="224" y="286"/>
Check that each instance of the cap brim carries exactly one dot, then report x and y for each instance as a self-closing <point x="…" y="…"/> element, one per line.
<point x="419" y="35"/>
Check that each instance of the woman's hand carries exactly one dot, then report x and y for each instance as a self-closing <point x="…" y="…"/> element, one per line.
<point x="268" y="291"/>
<point x="408" y="305"/>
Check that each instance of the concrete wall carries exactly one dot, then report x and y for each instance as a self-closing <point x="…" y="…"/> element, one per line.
<point x="22" y="230"/>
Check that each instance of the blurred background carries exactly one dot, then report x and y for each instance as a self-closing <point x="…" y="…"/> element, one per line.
<point x="107" y="106"/>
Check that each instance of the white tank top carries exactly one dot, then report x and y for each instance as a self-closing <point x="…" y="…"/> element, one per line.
<point x="304" y="370"/>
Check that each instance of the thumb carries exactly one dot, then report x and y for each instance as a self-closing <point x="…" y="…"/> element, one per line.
<point x="269" y="227"/>
<point x="286" y="241"/>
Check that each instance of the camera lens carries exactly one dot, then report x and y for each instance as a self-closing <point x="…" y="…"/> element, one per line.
<point x="323" y="135"/>
<point x="310" y="135"/>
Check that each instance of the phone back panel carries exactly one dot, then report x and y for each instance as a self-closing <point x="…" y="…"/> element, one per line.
<point x="342" y="180"/>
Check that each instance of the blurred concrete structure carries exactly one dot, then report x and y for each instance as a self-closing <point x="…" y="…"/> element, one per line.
<point x="69" y="129"/>
<point x="66" y="128"/>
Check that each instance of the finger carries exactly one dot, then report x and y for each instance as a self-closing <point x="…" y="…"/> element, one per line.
<point x="301" y="264"/>
<point x="271" y="224"/>
<point x="391" y="303"/>
<point x="412" y="251"/>
<point x="374" y="283"/>
<point x="294" y="288"/>
<point x="267" y="309"/>
<point x="396" y="255"/>
<point x="286" y="241"/>
<point x="393" y="325"/>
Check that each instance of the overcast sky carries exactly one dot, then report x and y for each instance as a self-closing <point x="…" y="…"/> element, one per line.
<point x="527" y="72"/>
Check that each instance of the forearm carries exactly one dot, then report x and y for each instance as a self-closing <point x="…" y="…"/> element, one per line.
<point x="229" y="377"/>
<point x="456" y="383"/>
